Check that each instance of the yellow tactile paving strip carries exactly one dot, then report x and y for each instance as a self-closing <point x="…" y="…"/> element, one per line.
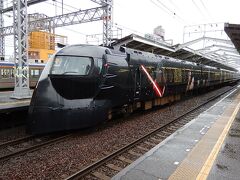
<point x="199" y="161"/>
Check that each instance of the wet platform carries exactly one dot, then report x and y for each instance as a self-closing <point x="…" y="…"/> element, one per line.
<point x="206" y="148"/>
<point x="9" y="104"/>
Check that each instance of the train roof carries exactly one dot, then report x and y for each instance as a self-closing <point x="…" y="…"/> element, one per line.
<point x="165" y="59"/>
<point x="99" y="51"/>
<point x="145" y="44"/>
<point x="5" y="63"/>
<point x="83" y="50"/>
<point x="156" y="57"/>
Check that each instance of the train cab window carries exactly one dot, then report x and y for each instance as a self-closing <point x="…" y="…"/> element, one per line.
<point x="71" y="65"/>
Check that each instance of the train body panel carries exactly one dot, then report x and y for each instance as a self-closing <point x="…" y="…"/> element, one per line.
<point x="7" y="71"/>
<point x="82" y="84"/>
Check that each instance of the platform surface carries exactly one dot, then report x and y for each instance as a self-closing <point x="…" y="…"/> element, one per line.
<point x="7" y="103"/>
<point x="227" y="163"/>
<point x="205" y="148"/>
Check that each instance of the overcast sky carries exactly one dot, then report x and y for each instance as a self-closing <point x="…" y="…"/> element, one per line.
<point x="142" y="16"/>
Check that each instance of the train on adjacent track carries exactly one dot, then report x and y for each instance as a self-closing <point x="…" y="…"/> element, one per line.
<point x="83" y="85"/>
<point x="7" y="71"/>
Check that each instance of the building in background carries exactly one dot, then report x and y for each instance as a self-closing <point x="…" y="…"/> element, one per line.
<point x="42" y="45"/>
<point x="158" y="36"/>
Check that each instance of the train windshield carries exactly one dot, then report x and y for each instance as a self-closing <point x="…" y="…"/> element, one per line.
<point x="71" y="65"/>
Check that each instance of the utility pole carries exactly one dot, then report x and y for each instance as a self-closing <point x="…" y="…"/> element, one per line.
<point x="2" y="39"/>
<point x="20" y="17"/>
<point x="107" y="22"/>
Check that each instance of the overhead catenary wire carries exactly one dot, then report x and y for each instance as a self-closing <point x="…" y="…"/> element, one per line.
<point x="174" y="4"/>
<point x="129" y="29"/>
<point x="64" y="4"/>
<point x="199" y="9"/>
<point x="69" y="29"/>
<point x="160" y="7"/>
<point x="167" y="10"/>
<point x="58" y="6"/>
<point x="166" y="7"/>
<point x="206" y="9"/>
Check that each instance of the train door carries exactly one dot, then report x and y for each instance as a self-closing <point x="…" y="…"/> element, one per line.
<point x="137" y="83"/>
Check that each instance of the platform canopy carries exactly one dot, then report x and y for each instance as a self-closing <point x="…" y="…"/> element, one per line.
<point x="233" y="32"/>
<point x="179" y="51"/>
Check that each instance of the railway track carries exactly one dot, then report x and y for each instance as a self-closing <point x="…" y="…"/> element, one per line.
<point x="27" y="144"/>
<point x="114" y="162"/>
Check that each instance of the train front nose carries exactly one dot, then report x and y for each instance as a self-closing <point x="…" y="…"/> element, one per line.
<point x="56" y="106"/>
<point x="65" y="99"/>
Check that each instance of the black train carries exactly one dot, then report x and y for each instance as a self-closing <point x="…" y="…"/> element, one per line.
<point x="84" y="85"/>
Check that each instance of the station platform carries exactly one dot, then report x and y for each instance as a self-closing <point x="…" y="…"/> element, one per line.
<point x="208" y="147"/>
<point x="8" y="104"/>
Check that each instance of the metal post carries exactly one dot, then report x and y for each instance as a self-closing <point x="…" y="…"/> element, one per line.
<point x="20" y="17"/>
<point x="2" y="39"/>
<point x="62" y="6"/>
<point x="107" y="22"/>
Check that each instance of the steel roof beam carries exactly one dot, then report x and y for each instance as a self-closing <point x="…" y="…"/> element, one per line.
<point x="216" y="45"/>
<point x="181" y="46"/>
<point x="2" y="39"/>
<point x="29" y="3"/>
<point x="101" y="2"/>
<point x="231" y="55"/>
<point x="78" y="17"/>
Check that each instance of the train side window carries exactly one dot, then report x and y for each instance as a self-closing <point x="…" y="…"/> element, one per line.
<point x="36" y="72"/>
<point x="159" y="75"/>
<point x="31" y="73"/>
<point x="10" y="73"/>
<point x="177" y="75"/>
<point x="170" y="75"/>
<point x="167" y="74"/>
<point x="164" y="75"/>
<point x="6" y="73"/>
<point x="185" y="76"/>
<point x="99" y="65"/>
